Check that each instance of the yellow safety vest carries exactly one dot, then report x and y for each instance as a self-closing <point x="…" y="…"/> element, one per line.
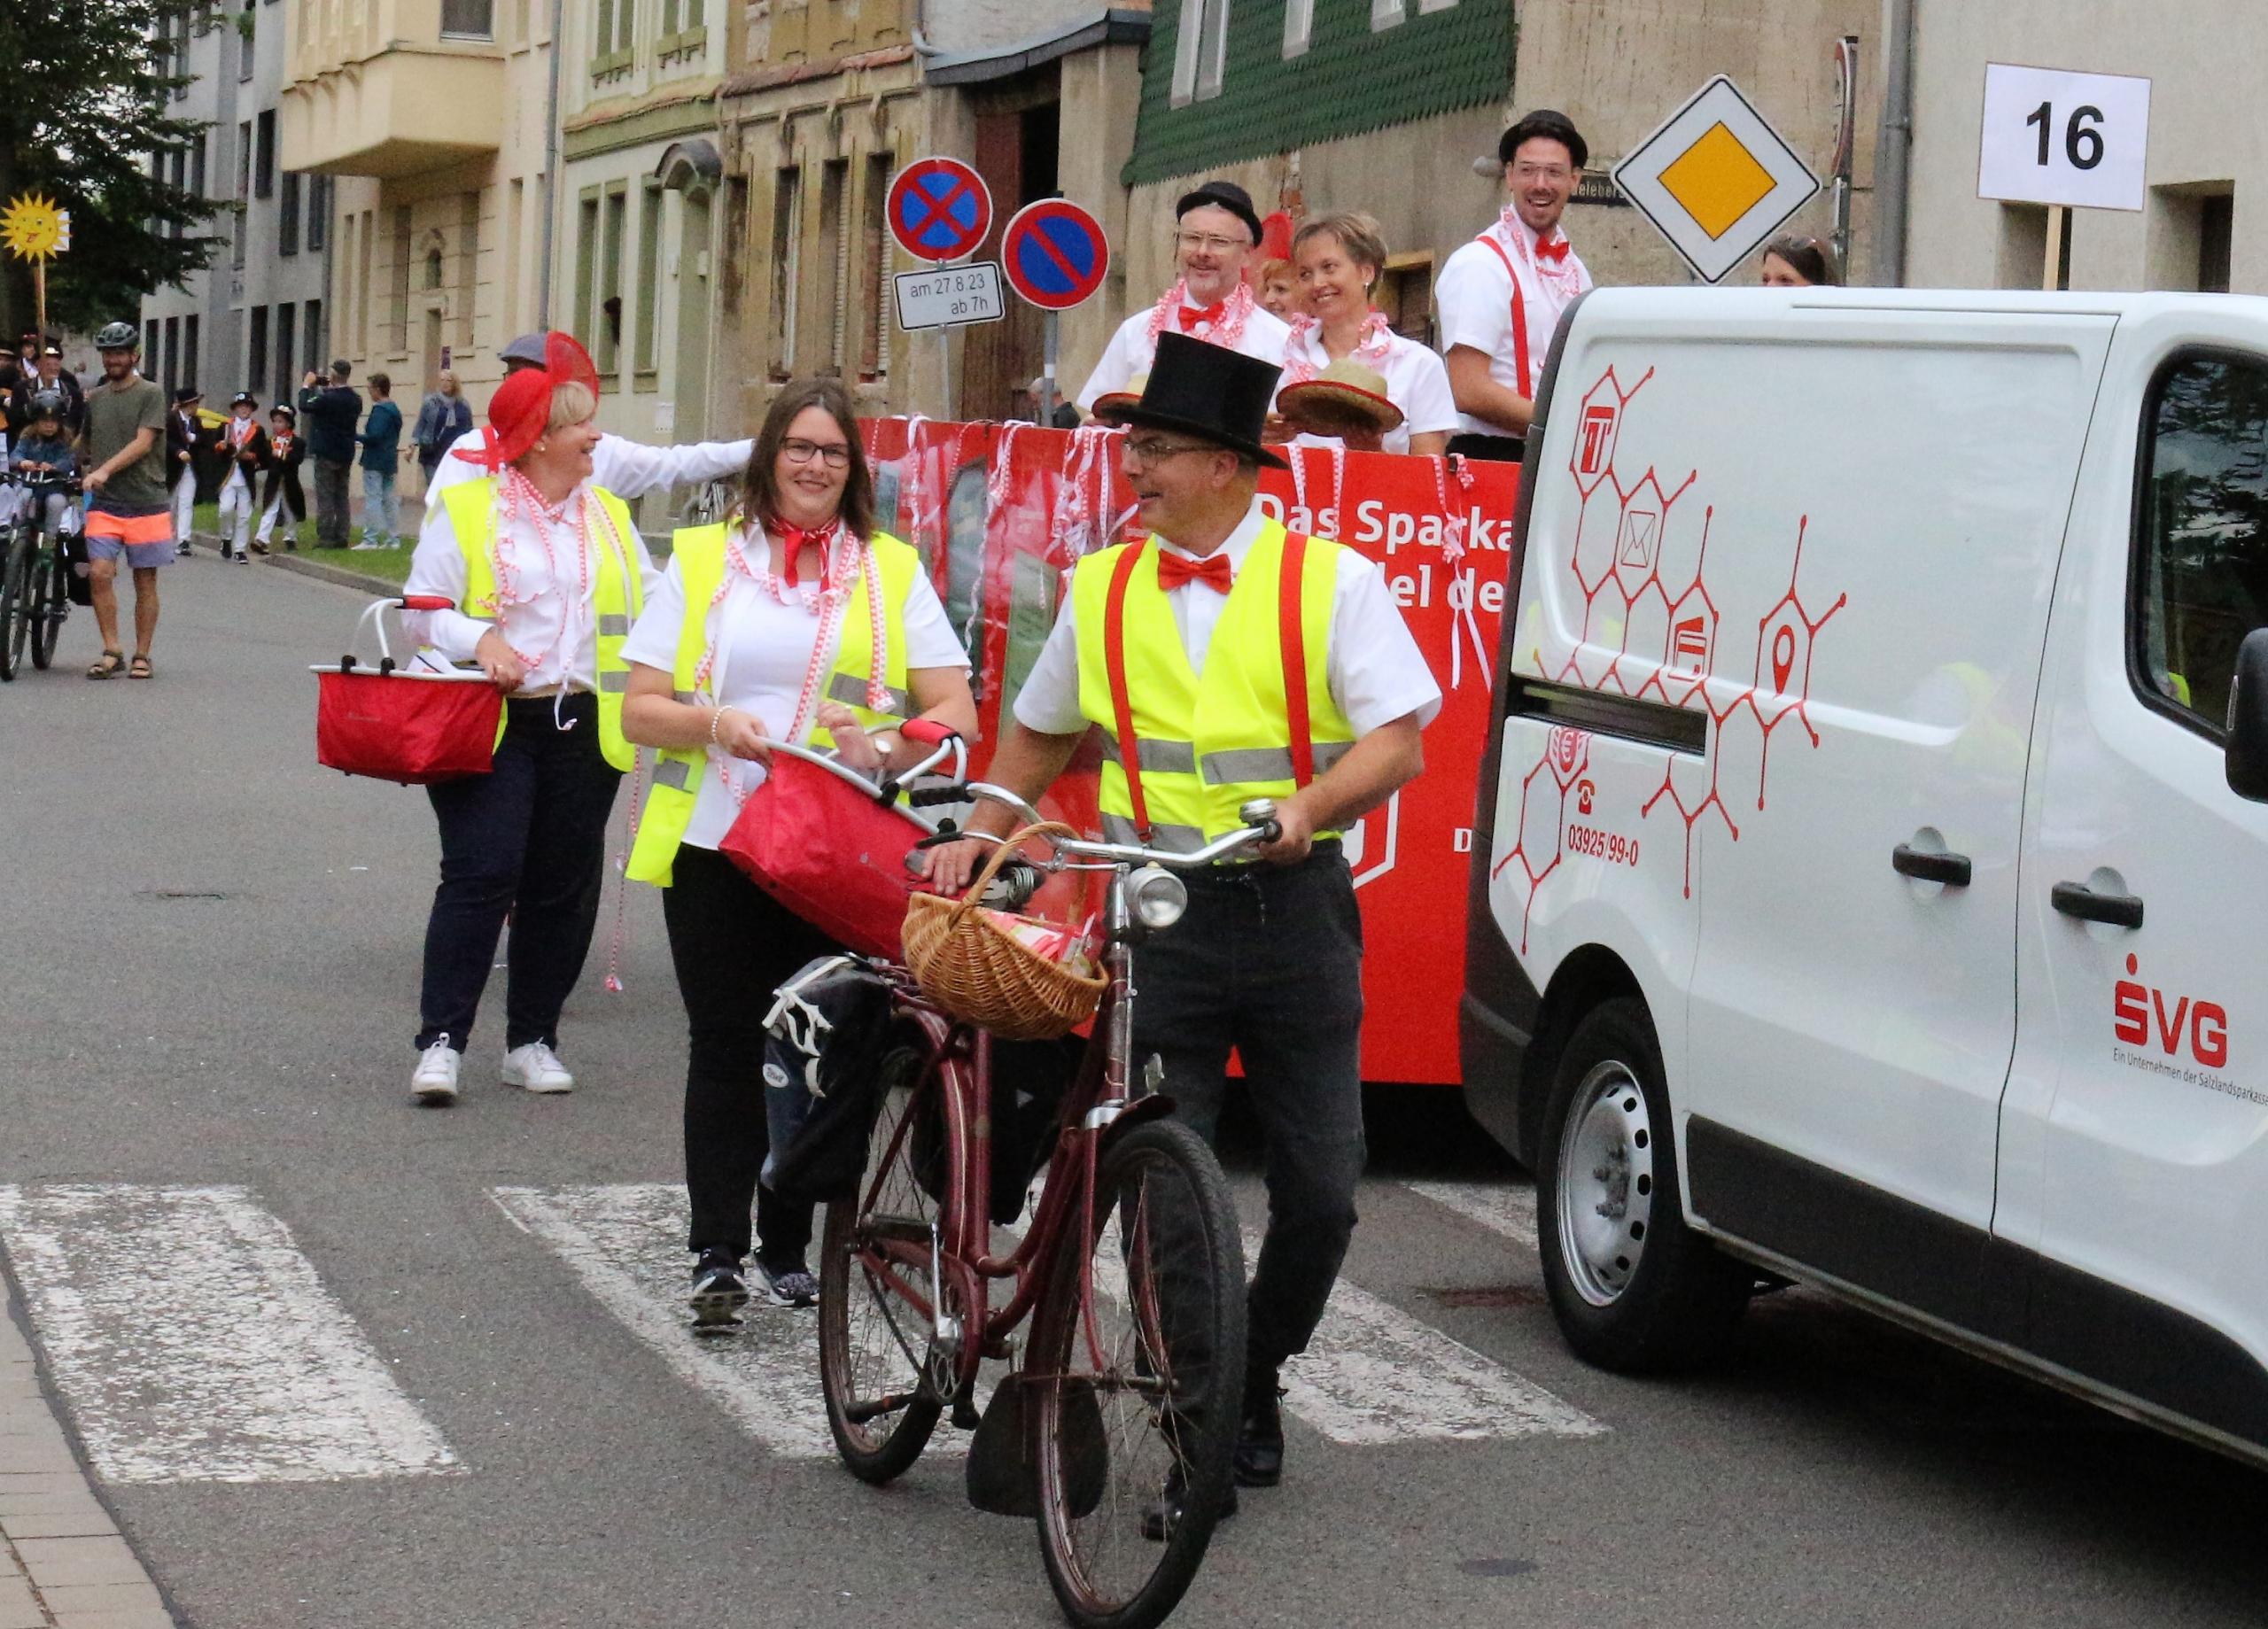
<point x="699" y="552"/>
<point x="621" y="594"/>
<point x="1205" y="743"/>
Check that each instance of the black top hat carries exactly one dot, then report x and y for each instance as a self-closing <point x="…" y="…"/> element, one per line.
<point x="243" y="399"/>
<point x="284" y="410"/>
<point x="1207" y="390"/>
<point x="187" y="394"/>
<point x="1222" y="195"/>
<point x="1550" y="124"/>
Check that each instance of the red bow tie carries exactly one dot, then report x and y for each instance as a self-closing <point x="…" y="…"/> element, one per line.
<point x="792" y="539"/>
<point x="1191" y="318"/>
<point x="1552" y="251"/>
<point x="1212" y="570"/>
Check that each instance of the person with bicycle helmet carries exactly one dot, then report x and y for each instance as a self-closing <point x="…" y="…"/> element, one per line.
<point x="46" y="448"/>
<point x="130" y="512"/>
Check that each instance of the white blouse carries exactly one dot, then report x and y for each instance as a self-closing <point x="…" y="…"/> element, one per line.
<point x="1416" y="382"/>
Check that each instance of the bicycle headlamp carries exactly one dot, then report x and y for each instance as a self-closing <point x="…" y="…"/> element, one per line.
<point x="1156" y="896"/>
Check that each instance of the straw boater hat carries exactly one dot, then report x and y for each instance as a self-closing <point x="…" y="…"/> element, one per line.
<point x="1344" y="396"/>
<point x="1115" y="399"/>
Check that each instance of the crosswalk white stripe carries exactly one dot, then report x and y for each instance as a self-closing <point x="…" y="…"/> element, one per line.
<point x="194" y="1341"/>
<point x="1374" y="1374"/>
<point x="1501" y="1208"/>
<point x="626" y="1243"/>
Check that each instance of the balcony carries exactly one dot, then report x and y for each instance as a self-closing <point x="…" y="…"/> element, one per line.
<point x="390" y="87"/>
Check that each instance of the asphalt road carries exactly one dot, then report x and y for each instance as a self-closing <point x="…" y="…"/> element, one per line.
<point x="341" y="1362"/>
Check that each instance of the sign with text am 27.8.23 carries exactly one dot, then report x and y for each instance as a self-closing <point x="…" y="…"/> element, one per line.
<point x="2050" y="136"/>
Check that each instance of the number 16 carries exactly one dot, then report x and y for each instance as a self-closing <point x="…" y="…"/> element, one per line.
<point x="2082" y="142"/>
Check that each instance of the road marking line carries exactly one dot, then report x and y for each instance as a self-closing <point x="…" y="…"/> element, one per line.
<point x="195" y="1343"/>
<point x="626" y="1243"/>
<point x="1499" y="1208"/>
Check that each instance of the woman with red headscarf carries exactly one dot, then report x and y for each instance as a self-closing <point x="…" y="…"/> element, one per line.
<point x="547" y="572"/>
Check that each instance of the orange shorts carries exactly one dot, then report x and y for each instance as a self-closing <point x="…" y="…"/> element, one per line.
<point x="131" y="529"/>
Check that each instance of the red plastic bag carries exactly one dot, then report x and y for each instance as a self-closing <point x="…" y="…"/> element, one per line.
<point x="829" y="853"/>
<point x="414" y="728"/>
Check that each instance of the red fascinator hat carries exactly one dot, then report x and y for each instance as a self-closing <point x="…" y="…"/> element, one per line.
<point x="520" y="410"/>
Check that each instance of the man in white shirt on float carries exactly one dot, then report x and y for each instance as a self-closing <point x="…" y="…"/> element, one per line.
<point x="1501" y="295"/>
<point x="624" y="467"/>
<point x="1216" y="236"/>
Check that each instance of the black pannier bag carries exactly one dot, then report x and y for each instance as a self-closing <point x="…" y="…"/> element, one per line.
<point x="825" y="1039"/>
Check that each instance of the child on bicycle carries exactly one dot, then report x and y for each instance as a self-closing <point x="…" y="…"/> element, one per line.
<point x="44" y="448"/>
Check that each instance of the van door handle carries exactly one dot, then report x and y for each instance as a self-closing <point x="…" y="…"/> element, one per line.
<point x="2077" y="899"/>
<point x="1953" y="870"/>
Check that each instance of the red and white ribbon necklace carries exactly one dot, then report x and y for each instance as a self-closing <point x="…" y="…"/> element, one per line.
<point x="1564" y="275"/>
<point x="1372" y="345"/>
<point x="1235" y="312"/>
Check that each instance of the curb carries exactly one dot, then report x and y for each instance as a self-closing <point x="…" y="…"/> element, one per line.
<point x="316" y="568"/>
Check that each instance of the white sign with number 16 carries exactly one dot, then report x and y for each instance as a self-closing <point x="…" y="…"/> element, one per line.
<point x="2056" y="138"/>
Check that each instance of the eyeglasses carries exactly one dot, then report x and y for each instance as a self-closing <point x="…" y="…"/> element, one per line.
<point x="1151" y="449"/>
<point x="798" y="450"/>
<point x="1530" y="173"/>
<point x="1195" y="240"/>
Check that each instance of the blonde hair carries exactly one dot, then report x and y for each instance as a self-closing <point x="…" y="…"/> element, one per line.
<point x="571" y="402"/>
<point x="1357" y="234"/>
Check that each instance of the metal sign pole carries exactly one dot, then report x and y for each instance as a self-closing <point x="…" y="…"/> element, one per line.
<point x="946" y="361"/>
<point x="1047" y="373"/>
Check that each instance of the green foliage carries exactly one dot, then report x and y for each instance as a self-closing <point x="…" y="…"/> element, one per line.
<point x="89" y="100"/>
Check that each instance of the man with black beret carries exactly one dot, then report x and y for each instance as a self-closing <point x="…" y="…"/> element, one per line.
<point x="1501" y="295"/>
<point x="1216" y="236"/>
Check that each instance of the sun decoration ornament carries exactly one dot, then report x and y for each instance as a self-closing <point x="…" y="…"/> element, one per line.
<point x="34" y="228"/>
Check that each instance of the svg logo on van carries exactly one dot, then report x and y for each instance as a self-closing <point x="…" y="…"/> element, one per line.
<point x="2140" y="1017"/>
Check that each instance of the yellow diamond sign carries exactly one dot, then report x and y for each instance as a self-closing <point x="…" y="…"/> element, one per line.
<point x="1716" y="179"/>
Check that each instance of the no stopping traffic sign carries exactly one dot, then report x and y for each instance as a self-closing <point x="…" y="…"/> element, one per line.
<point x="939" y="209"/>
<point x="1054" y="255"/>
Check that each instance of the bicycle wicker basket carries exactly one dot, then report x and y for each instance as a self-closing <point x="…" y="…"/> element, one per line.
<point x="981" y="973"/>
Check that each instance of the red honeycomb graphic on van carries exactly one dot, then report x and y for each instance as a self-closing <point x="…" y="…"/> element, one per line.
<point x="1567" y="755"/>
<point x="1645" y="590"/>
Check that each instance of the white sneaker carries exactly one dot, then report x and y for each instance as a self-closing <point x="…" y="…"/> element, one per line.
<point x="435" y="1079"/>
<point x="536" y="1068"/>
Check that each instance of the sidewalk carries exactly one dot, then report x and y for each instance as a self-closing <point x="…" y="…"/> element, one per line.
<point x="63" y="1562"/>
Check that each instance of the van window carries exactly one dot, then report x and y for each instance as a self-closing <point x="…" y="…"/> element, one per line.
<point x="2201" y="577"/>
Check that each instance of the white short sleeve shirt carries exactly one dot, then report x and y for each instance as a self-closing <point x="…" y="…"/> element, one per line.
<point x="1132" y="350"/>
<point x="1416" y="382"/>
<point x="1474" y="293"/>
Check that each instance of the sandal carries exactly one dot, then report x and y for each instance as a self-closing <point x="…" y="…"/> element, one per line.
<point x="139" y="668"/>
<point x="108" y="666"/>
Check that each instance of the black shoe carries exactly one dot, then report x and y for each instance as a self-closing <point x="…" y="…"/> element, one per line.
<point x="1259" y="1461"/>
<point x="789" y="1286"/>
<point x="1164" y="1512"/>
<point x="718" y="1292"/>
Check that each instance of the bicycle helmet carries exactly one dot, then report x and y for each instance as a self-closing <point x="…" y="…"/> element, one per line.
<point x="118" y="336"/>
<point x="47" y="404"/>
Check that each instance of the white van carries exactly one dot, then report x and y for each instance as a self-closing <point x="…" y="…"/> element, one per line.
<point x="1871" y="880"/>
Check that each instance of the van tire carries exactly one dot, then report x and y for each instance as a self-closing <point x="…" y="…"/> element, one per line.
<point x="1635" y="1290"/>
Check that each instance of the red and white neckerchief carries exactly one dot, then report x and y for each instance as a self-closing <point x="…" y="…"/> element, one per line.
<point x="828" y="539"/>
<point x="1373" y="346"/>
<point x="1555" y="266"/>
<point x="1236" y="311"/>
<point x="239" y="432"/>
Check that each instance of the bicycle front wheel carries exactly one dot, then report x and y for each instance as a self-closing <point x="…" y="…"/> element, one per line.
<point x="46" y="605"/>
<point x="1135" y="1380"/>
<point x="883" y="1381"/>
<point x="15" y="612"/>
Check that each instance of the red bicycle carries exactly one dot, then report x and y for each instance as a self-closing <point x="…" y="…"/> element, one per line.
<point x="1115" y="1424"/>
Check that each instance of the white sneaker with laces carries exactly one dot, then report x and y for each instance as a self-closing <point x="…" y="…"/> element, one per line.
<point x="536" y="1068"/>
<point x="435" y="1078"/>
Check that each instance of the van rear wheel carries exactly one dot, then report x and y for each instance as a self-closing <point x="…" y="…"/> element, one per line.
<point x="1633" y="1289"/>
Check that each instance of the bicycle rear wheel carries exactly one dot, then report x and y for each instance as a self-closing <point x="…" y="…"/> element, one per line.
<point x="884" y="1382"/>
<point x="1136" y="1377"/>
<point x="15" y="612"/>
<point x="47" y="603"/>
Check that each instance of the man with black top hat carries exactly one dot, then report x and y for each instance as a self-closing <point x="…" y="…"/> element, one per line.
<point x="1501" y="295"/>
<point x="185" y="443"/>
<point x="1216" y="236"/>
<point x="1188" y="639"/>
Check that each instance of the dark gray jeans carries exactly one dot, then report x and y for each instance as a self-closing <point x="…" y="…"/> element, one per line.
<point x="330" y="502"/>
<point x="1270" y="961"/>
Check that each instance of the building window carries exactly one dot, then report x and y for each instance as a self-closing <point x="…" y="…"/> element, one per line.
<point x="244" y="162"/>
<point x="1405" y="294"/>
<point x="247" y="40"/>
<point x="256" y="351"/>
<point x="238" y="233"/>
<point x="318" y="210"/>
<point x="398" y="295"/>
<point x="180" y="177"/>
<point x="287" y="215"/>
<point x="467" y="19"/>
<point x="618" y="211"/>
<point x="508" y="300"/>
<point x="313" y="338"/>
<point x="835" y="255"/>
<point x="287" y="346"/>
<point x="2216" y="226"/>
<point x="649" y="269"/>
<point x="1299" y="26"/>
<point x="1199" y="50"/>
<point x="1426" y="8"/>
<point x="187" y="354"/>
<point x="874" y="251"/>
<point x="152" y="356"/>
<point x="586" y="268"/>
<point x="786" y="241"/>
<point x="263" y="174"/>
<point x="1386" y="13"/>
<point x="196" y="165"/>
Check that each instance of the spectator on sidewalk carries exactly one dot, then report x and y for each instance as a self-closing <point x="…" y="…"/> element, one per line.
<point x="283" y="500"/>
<point x="328" y="413"/>
<point x="381" y="440"/>
<point x="445" y="415"/>
<point x="247" y="449"/>
<point x="183" y="436"/>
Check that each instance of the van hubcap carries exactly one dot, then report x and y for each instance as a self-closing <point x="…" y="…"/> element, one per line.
<point x="1606" y="1184"/>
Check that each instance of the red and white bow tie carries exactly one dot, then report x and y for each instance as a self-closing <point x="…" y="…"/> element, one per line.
<point x="1191" y="318"/>
<point x="1212" y="570"/>
<point x="1554" y="251"/>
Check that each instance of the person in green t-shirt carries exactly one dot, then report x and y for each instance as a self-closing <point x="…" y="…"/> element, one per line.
<point x="128" y="511"/>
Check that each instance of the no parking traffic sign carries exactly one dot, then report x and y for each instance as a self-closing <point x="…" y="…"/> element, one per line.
<point x="939" y="209"/>
<point x="1055" y="254"/>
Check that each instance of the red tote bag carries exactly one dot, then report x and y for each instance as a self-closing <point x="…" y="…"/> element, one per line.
<point x="415" y="728"/>
<point x="828" y="852"/>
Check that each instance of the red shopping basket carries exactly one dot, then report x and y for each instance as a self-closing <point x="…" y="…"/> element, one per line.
<point x="406" y="725"/>
<point x="814" y="838"/>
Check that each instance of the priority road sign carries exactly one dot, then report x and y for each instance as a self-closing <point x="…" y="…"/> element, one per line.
<point x="939" y="209"/>
<point x="1055" y="254"/>
<point x="1716" y="179"/>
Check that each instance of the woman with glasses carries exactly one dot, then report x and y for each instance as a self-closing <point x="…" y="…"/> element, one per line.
<point x="1794" y="262"/>
<point x="1217" y="241"/>
<point x="794" y="620"/>
<point x="1339" y="257"/>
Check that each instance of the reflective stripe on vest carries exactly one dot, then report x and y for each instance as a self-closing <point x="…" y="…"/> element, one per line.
<point x="1206" y="742"/>
<point x="620" y="596"/>
<point x="697" y="553"/>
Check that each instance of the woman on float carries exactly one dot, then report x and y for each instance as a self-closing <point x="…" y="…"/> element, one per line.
<point x="768" y="627"/>
<point x="1339" y="257"/>
<point x="1790" y="261"/>
<point x="546" y="572"/>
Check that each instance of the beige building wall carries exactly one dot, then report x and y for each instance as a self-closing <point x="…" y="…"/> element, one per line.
<point x="2205" y="61"/>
